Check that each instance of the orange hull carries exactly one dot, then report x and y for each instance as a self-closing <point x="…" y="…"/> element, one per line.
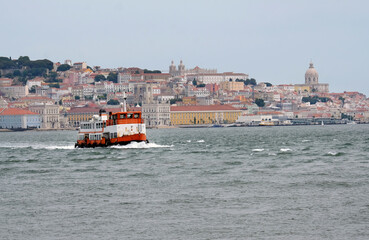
<point x="114" y="141"/>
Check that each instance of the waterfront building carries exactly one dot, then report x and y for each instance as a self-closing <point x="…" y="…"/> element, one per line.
<point x="81" y="114"/>
<point x="189" y="115"/>
<point x="18" y="118"/>
<point x="156" y="114"/>
<point x="49" y="114"/>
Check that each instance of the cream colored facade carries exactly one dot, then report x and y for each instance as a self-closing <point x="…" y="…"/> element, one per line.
<point x="232" y="86"/>
<point x="214" y="114"/>
<point x="49" y="115"/>
<point x="156" y="114"/>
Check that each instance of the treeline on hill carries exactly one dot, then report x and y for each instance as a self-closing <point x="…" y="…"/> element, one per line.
<point x="315" y="99"/>
<point x="8" y="63"/>
<point x="113" y="77"/>
<point x="250" y="81"/>
<point x="23" y="68"/>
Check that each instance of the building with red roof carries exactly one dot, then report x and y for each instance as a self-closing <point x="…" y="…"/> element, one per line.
<point x="17" y="118"/>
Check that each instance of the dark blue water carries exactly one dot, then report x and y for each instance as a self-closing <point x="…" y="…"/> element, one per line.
<point x="309" y="182"/>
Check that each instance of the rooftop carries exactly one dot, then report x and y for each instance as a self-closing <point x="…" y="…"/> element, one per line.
<point x="15" y="111"/>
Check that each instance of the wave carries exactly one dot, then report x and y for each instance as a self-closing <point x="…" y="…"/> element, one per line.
<point x="59" y="147"/>
<point x="285" y="150"/>
<point x="141" y="145"/>
<point x="188" y="141"/>
<point x="201" y="141"/>
<point x="258" y="150"/>
<point x="306" y="140"/>
<point x="336" y="154"/>
<point x="36" y="147"/>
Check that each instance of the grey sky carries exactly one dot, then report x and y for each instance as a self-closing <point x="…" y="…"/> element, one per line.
<point x="272" y="41"/>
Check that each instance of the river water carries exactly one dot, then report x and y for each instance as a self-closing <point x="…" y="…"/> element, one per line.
<point x="305" y="182"/>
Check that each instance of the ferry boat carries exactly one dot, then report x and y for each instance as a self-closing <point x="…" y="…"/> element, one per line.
<point x="266" y="123"/>
<point x="119" y="128"/>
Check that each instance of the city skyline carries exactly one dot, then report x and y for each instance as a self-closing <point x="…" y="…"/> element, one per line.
<point x="272" y="42"/>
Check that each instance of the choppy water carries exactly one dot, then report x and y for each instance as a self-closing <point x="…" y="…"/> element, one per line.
<point x="308" y="182"/>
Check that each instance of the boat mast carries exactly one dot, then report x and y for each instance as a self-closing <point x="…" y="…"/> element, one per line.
<point x="124" y="104"/>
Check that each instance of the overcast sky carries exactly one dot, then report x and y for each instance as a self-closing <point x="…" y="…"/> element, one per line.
<point x="272" y="41"/>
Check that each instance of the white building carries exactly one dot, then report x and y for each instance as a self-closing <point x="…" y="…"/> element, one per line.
<point x="216" y="77"/>
<point x="181" y="71"/>
<point x="156" y="114"/>
<point x="199" y="92"/>
<point x="18" y="118"/>
<point x="124" y="77"/>
<point x="34" y="82"/>
<point x="15" y="91"/>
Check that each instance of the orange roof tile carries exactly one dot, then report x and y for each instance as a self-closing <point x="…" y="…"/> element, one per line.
<point x="16" y="111"/>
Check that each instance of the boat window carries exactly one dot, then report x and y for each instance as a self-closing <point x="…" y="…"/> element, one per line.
<point x="129" y="115"/>
<point x="122" y="116"/>
<point x="136" y="115"/>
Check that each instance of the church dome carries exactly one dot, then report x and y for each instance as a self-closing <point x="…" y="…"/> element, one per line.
<point x="311" y="75"/>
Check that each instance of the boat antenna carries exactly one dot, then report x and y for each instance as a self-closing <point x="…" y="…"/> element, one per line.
<point x="124" y="102"/>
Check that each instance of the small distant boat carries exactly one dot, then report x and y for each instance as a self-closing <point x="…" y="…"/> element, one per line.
<point x="266" y="123"/>
<point x="351" y="123"/>
<point x="217" y="125"/>
<point x="322" y="123"/>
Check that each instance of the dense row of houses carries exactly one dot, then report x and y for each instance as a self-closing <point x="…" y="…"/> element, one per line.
<point x="181" y="97"/>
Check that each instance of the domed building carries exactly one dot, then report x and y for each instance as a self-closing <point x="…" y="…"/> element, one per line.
<point x="312" y="81"/>
<point x="311" y="75"/>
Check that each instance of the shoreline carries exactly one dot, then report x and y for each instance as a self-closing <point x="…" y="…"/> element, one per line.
<point x="182" y="126"/>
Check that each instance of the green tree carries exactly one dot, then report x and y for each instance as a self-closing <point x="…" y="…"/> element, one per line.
<point x="23" y="61"/>
<point x="54" y="85"/>
<point x="250" y="82"/>
<point x="99" y="78"/>
<point x="17" y="73"/>
<point x="77" y="97"/>
<point x="194" y="82"/>
<point x="33" y="89"/>
<point x="260" y="102"/>
<point x="113" y="77"/>
<point x="342" y="99"/>
<point x="7" y="63"/>
<point x="9" y="75"/>
<point x="63" y="68"/>
<point x="151" y="71"/>
<point x="173" y="101"/>
<point x="268" y="84"/>
<point x="113" y="102"/>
